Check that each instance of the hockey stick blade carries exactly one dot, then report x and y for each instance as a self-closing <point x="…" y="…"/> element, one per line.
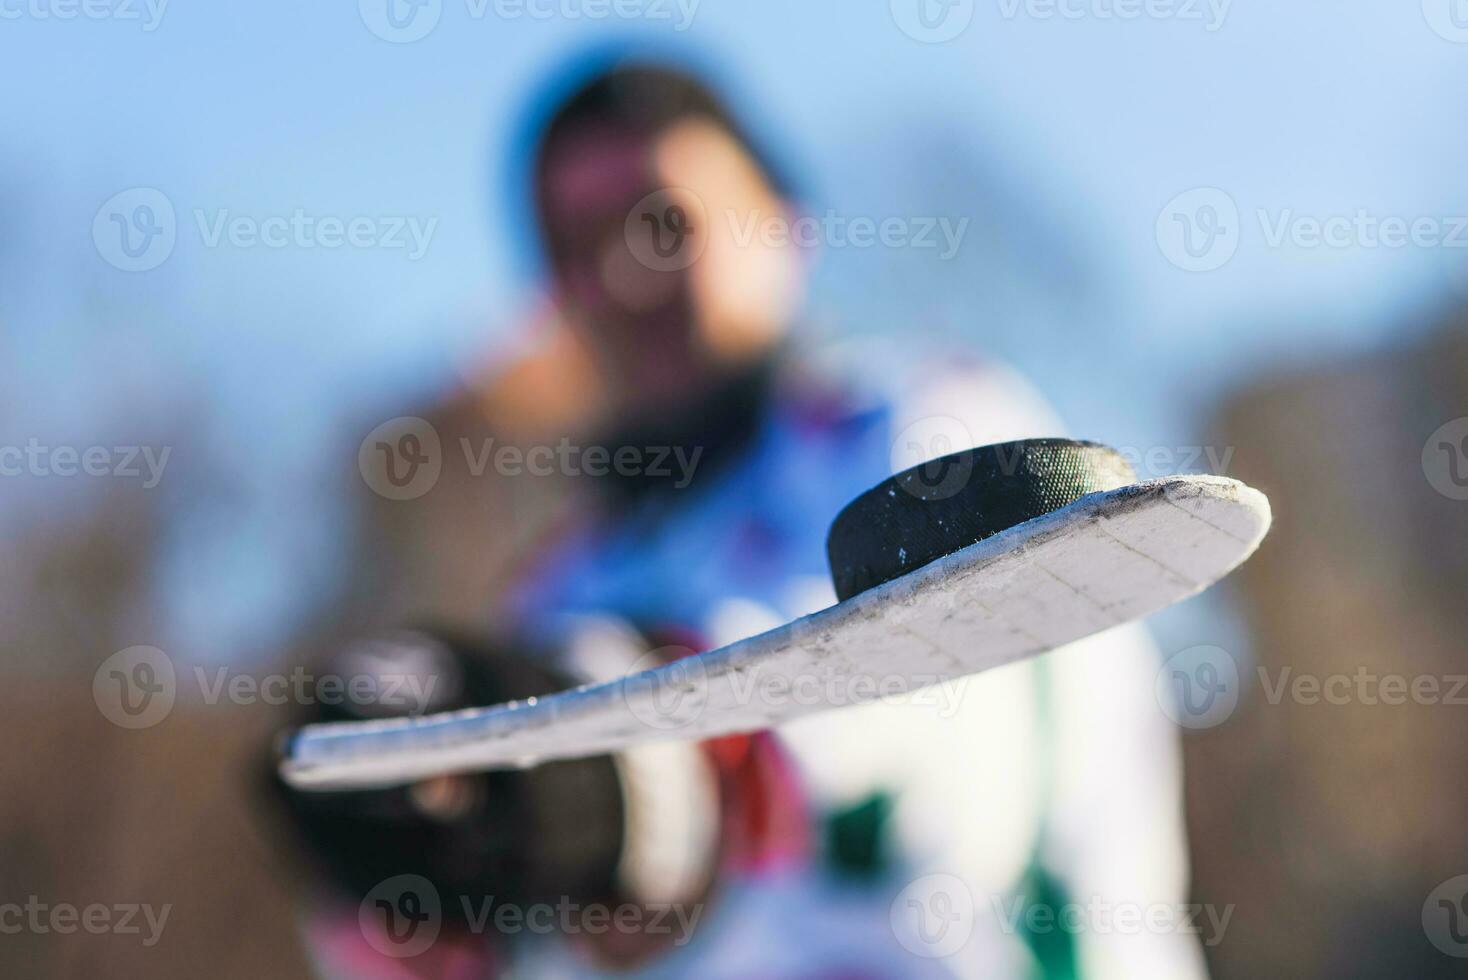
<point x="1108" y="558"/>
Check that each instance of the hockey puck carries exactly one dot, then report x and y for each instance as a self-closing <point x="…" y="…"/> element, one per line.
<point x="949" y="503"/>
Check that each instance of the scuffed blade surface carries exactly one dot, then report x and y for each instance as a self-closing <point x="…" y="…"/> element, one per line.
<point x="1106" y="559"/>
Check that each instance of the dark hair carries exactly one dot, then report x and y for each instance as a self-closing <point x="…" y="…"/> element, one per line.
<point x="646" y="91"/>
<point x="646" y="99"/>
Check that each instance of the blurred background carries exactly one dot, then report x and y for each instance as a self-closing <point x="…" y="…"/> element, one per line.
<point x="1228" y="237"/>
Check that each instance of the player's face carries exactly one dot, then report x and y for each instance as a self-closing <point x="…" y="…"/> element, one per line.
<point x="660" y="256"/>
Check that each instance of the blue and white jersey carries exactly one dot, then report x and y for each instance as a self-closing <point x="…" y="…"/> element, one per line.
<point x="1066" y="761"/>
<point x="755" y="533"/>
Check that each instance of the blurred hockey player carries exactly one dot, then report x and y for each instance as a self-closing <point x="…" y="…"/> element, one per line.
<point x="702" y="442"/>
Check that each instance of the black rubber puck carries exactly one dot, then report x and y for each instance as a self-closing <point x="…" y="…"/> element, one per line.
<point x="949" y="503"/>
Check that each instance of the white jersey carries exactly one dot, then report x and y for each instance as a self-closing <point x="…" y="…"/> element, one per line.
<point x="1062" y="771"/>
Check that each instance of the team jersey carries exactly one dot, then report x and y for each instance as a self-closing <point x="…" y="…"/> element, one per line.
<point x="939" y="819"/>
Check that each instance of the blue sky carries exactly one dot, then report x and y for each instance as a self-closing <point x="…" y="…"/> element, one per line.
<point x="1062" y="137"/>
